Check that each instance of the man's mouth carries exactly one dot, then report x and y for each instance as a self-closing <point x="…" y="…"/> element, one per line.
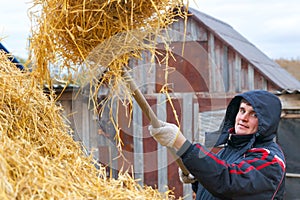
<point x="243" y="126"/>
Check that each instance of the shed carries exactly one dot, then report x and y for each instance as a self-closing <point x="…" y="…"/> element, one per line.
<point x="289" y="139"/>
<point x="216" y="64"/>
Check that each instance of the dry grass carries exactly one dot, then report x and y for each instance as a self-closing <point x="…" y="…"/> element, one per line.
<point x="94" y="40"/>
<point x="38" y="157"/>
<point x="292" y="66"/>
<point x="65" y="33"/>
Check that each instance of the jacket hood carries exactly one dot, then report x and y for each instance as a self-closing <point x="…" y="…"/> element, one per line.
<point x="267" y="107"/>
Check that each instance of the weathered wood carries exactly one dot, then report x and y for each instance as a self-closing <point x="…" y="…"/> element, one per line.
<point x="237" y="73"/>
<point x="187" y="129"/>
<point x="137" y="118"/>
<point x="190" y="70"/>
<point x="77" y="117"/>
<point x="93" y="134"/>
<point x="225" y="69"/>
<point x="219" y="62"/>
<point x="290" y="101"/>
<point x="196" y="130"/>
<point x="211" y="61"/>
<point x="162" y="159"/>
<point x="85" y="123"/>
<point x="250" y="77"/>
<point x="193" y="31"/>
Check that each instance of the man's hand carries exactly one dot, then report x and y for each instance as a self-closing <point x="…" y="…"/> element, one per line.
<point x="166" y="134"/>
<point x="186" y="178"/>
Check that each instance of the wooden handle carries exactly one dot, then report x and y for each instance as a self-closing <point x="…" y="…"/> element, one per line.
<point x="145" y="107"/>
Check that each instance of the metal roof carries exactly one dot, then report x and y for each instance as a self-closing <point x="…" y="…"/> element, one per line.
<point x="11" y="57"/>
<point x="266" y="66"/>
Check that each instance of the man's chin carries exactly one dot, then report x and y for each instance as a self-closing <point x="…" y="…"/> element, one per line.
<point x="242" y="132"/>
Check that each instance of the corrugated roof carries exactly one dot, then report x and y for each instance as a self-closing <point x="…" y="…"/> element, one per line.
<point x="287" y="92"/>
<point x="257" y="58"/>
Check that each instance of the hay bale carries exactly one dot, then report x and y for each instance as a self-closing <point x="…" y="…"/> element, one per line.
<point x="38" y="157"/>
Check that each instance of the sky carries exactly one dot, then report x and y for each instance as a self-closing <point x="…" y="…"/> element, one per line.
<point x="271" y="25"/>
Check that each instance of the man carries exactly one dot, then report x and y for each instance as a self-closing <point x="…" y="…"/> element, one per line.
<point x="250" y="166"/>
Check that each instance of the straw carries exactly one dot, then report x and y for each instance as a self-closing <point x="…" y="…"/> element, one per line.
<point x="39" y="158"/>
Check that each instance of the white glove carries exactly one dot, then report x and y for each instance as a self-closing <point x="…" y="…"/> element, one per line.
<point x="166" y="135"/>
<point x="186" y="178"/>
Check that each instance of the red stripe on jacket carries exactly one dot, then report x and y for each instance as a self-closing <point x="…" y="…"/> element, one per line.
<point x="265" y="153"/>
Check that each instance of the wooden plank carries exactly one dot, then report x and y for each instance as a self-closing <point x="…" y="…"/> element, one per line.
<point x="113" y="161"/>
<point x="259" y="81"/>
<point x="196" y="132"/>
<point x="231" y="69"/>
<point x="69" y="94"/>
<point x="93" y="134"/>
<point x="211" y="61"/>
<point x="237" y="72"/>
<point x="187" y="130"/>
<point x="194" y="32"/>
<point x="244" y="75"/>
<point x="162" y="160"/>
<point x="114" y="153"/>
<point x="290" y="116"/>
<point x="137" y="124"/>
<point x="250" y="77"/>
<point x="225" y="68"/>
<point x="67" y="110"/>
<point x="187" y="115"/>
<point x="85" y="123"/>
<point x="107" y="137"/>
<point x="77" y="117"/>
<point x="290" y="101"/>
<point x="218" y="61"/>
<point x="150" y="73"/>
<point x="150" y="149"/>
<point x="173" y="177"/>
<point x="264" y="84"/>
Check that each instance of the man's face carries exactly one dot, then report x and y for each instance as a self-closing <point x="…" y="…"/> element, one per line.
<point x="246" y="121"/>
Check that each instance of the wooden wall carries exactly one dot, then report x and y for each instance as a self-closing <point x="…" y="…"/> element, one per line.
<point x="203" y="64"/>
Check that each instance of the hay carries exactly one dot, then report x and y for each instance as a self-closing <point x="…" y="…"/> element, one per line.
<point x="38" y="157"/>
<point x="66" y="32"/>
<point x="92" y="41"/>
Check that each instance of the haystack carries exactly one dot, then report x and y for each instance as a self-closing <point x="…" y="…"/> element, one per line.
<point x="38" y="157"/>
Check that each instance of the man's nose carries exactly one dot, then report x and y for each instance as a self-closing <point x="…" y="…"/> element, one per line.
<point x="244" y="117"/>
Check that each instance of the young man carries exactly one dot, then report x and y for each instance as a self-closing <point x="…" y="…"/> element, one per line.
<point x="250" y="166"/>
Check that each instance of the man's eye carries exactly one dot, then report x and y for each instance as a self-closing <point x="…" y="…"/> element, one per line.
<point x="254" y="115"/>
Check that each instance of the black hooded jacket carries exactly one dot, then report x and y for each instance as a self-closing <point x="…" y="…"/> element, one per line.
<point x="249" y="166"/>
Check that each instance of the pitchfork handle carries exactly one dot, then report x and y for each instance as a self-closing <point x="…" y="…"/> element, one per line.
<point x="145" y="107"/>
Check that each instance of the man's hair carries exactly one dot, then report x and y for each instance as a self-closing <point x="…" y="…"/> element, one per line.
<point x="244" y="101"/>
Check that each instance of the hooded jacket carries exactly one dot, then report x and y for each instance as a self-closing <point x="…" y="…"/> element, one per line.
<point x="249" y="166"/>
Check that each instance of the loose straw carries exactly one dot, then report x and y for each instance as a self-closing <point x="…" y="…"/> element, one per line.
<point x="39" y="158"/>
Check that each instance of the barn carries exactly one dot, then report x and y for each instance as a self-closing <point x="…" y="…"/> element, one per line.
<point x="211" y="62"/>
